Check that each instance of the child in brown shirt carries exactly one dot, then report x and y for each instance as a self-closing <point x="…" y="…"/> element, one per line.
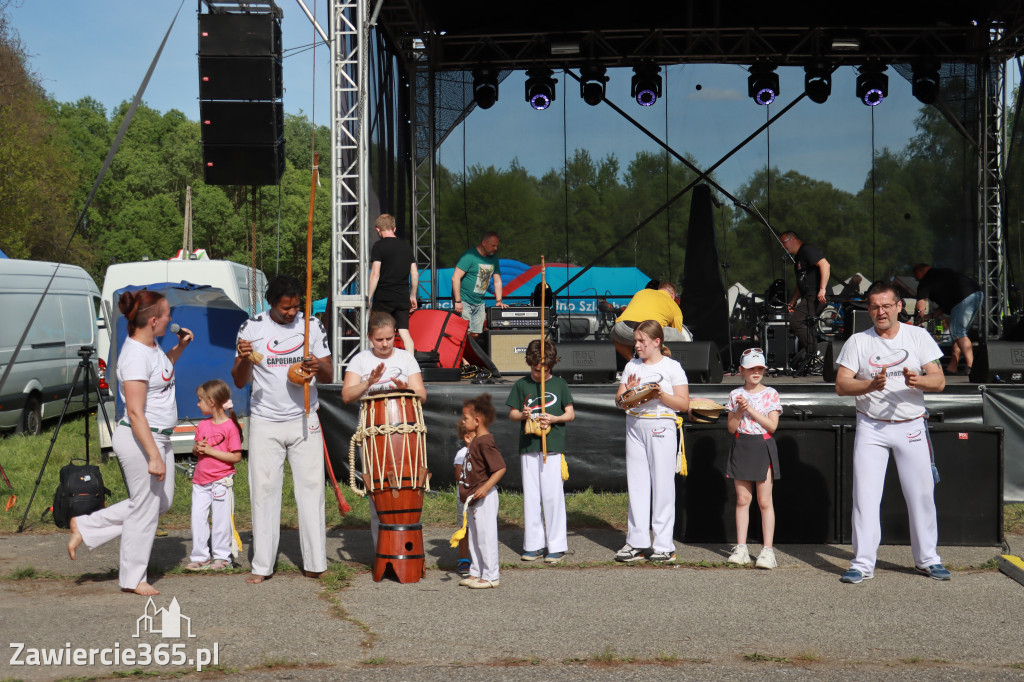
<point x="481" y="472"/>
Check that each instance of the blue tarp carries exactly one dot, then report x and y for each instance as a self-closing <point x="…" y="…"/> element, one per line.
<point x="616" y="285"/>
<point x="214" y="320"/>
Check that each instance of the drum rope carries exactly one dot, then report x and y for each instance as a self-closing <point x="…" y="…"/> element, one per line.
<point x="364" y="432"/>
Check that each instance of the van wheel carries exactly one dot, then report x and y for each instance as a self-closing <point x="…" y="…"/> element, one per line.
<point x="31" y="422"/>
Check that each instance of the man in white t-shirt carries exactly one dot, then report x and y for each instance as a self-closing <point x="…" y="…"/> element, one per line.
<point x="888" y="368"/>
<point x="279" y="427"/>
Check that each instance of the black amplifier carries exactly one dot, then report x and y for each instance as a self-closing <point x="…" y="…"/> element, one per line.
<point x="521" y="317"/>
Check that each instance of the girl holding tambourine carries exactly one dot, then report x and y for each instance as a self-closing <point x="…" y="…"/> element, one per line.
<point x="653" y="390"/>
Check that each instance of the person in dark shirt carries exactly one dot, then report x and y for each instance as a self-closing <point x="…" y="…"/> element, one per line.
<point x="394" y="278"/>
<point x="809" y="295"/>
<point x="960" y="297"/>
<point x="481" y="471"/>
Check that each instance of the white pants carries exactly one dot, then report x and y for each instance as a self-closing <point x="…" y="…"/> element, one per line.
<point x="912" y="450"/>
<point x="300" y="441"/>
<point x="134" y="519"/>
<point x="543" y="492"/>
<point x="207" y="497"/>
<point x="651" y="452"/>
<point x="482" y="526"/>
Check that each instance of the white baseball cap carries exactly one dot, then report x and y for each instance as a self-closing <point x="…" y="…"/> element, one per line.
<point x="752" y="357"/>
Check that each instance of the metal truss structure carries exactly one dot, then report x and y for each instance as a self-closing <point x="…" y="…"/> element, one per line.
<point x="434" y="40"/>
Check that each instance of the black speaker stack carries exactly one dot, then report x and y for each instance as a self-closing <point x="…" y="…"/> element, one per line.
<point x="240" y="88"/>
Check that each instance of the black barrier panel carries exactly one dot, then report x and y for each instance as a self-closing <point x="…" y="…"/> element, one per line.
<point x="968" y="499"/>
<point x="804" y="498"/>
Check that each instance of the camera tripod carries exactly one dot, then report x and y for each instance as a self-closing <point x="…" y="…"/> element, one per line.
<point x="84" y="370"/>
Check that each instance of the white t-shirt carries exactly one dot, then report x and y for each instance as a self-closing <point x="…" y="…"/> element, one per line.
<point x="460" y="456"/>
<point x="139" y="362"/>
<point x="867" y="354"/>
<point x="274" y="398"/>
<point x="400" y="365"/>
<point x="764" y="401"/>
<point x="666" y="373"/>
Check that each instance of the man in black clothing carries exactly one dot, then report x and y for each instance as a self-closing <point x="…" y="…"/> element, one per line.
<point x="809" y="297"/>
<point x="394" y="277"/>
<point x="959" y="297"/>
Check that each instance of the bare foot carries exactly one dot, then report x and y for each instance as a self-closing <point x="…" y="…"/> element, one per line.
<point x="254" y="579"/>
<point x="143" y="588"/>
<point x="75" y="540"/>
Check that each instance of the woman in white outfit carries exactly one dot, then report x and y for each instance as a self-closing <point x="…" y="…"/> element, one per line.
<point x="651" y="446"/>
<point x="142" y="441"/>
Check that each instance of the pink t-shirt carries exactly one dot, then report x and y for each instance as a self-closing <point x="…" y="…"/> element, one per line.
<point x="764" y="401"/>
<point x="224" y="437"/>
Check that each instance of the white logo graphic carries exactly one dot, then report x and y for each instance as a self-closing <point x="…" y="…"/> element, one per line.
<point x="164" y="622"/>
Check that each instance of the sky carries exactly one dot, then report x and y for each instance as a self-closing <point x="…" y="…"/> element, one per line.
<point x="102" y="49"/>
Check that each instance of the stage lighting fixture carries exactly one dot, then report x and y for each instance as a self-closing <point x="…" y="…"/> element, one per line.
<point x="646" y="86"/>
<point x="592" y="83"/>
<point x="540" y="88"/>
<point x="763" y="83"/>
<point x="872" y="84"/>
<point x="926" y="82"/>
<point x="485" y="86"/>
<point x="818" y="83"/>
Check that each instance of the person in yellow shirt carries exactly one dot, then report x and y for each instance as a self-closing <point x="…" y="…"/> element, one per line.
<point x="649" y="304"/>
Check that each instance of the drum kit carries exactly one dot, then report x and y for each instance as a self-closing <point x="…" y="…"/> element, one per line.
<point x="392" y="437"/>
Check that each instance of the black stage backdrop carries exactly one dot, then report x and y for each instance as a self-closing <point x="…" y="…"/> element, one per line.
<point x="703" y="300"/>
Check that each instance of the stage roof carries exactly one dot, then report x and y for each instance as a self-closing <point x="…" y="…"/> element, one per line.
<point x="459" y="34"/>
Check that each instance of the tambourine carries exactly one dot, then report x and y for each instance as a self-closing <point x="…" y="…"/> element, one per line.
<point x="638" y="395"/>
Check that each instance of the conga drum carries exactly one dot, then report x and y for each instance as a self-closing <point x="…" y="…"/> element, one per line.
<point x="395" y="476"/>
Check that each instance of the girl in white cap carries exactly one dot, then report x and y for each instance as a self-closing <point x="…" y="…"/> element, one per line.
<point x="753" y="458"/>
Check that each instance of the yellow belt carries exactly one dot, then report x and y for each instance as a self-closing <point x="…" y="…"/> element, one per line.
<point x="681" y="461"/>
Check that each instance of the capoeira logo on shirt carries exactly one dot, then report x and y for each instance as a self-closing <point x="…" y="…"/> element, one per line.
<point x="285" y="344"/>
<point x="533" y="404"/>
<point x="389" y="374"/>
<point x="883" y="361"/>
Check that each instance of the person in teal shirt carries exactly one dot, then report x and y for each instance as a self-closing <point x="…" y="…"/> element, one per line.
<point x="472" y="276"/>
<point x="544" y="522"/>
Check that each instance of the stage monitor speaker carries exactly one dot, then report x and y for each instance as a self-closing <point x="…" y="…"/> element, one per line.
<point x="241" y="122"/>
<point x="859" y="321"/>
<point x="238" y="164"/>
<point x="239" y="35"/>
<point x="586" y="362"/>
<point x="700" y="359"/>
<point x="240" y="78"/>
<point x="779" y="343"/>
<point x="1000" y="362"/>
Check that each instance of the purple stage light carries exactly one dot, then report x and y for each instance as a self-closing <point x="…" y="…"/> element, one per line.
<point x="873" y="97"/>
<point x="646" y="98"/>
<point x="765" y="96"/>
<point x="540" y="101"/>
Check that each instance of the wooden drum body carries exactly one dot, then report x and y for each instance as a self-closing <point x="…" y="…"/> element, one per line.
<point x="395" y="474"/>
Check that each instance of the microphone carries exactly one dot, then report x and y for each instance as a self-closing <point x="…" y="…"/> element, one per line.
<point x="175" y="328"/>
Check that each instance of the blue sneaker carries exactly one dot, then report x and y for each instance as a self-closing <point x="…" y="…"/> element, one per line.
<point x="554" y="557"/>
<point x="853" y="576"/>
<point x="463" y="567"/>
<point x="532" y="555"/>
<point x="936" y="571"/>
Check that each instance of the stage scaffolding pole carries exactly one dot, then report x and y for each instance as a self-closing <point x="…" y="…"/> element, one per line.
<point x="991" y="137"/>
<point x="350" y="165"/>
<point x="424" y="213"/>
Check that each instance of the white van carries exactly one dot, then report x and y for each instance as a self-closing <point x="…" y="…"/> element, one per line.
<point x="232" y="278"/>
<point x="41" y="376"/>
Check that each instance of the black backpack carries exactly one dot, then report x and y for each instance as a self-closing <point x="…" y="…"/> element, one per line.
<point x="80" y="491"/>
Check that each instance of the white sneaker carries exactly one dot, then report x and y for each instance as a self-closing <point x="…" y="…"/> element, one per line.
<point x="739" y="555"/>
<point x="766" y="559"/>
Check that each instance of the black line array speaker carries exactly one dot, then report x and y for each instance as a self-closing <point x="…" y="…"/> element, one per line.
<point x="586" y="362"/>
<point x="240" y="90"/>
<point x="700" y="359"/>
<point x="998" y="362"/>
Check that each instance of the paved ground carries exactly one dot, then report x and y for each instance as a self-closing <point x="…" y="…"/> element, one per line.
<point x="587" y="619"/>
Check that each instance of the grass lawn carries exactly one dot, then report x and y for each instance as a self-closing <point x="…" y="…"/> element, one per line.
<point x="21" y="457"/>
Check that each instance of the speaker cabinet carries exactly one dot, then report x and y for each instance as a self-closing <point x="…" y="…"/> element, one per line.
<point x="860" y="321"/>
<point x="700" y="359"/>
<point x="586" y="362"/>
<point x="508" y="350"/>
<point x="779" y="343"/>
<point x="241" y="122"/>
<point x="241" y="78"/>
<point x="998" y="362"/>
<point x="239" y="35"/>
<point x="238" y="164"/>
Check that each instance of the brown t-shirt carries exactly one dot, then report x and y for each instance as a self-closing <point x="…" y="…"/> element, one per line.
<point x="482" y="460"/>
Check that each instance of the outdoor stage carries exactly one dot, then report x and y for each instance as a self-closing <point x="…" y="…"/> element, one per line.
<point x="815" y="439"/>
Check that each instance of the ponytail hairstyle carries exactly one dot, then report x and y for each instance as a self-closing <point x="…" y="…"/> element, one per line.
<point x="217" y="392"/>
<point x="139" y="308"/>
<point x="378" y="320"/>
<point x="652" y="330"/>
